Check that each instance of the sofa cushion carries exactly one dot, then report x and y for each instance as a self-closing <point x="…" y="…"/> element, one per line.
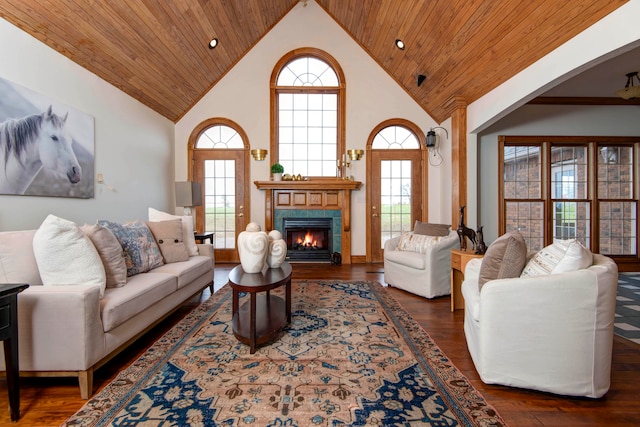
<point x="17" y="261"/>
<point x="110" y="252"/>
<point x="431" y="229"/>
<point x="141" y="253"/>
<point x="168" y="235"/>
<point x="65" y="256"/>
<point x="559" y="257"/>
<point x="187" y="271"/>
<point x="413" y="260"/>
<point x="187" y="228"/>
<point x="411" y="242"/>
<point x="142" y="291"/>
<point x="504" y="258"/>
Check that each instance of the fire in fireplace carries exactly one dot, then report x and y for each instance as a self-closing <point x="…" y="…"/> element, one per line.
<point x="308" y="239"/>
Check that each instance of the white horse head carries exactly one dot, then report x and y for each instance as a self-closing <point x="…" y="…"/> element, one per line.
<point x="54" y="147"/>
<point x="32" y="143"/>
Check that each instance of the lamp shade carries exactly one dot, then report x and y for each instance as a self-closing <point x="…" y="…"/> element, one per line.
<point x="188" y="194"/>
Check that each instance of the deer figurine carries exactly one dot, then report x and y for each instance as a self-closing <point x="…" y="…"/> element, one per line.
<point x="464" y="232"/>
<point x="481" y="247"/>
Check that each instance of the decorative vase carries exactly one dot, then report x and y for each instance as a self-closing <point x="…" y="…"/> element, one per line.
<point x="253" y="247"/>
<point x="277" y="177"/>
<point x="277" y="249"/>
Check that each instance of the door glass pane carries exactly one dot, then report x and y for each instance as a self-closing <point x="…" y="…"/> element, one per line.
<point x="395" y="198"/>
<point x="220" y="201"/>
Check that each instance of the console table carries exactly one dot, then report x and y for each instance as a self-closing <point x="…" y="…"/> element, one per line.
<point x="9" y="334"/>
<point x="459" y="260"/>
<point x="261" y="318"/>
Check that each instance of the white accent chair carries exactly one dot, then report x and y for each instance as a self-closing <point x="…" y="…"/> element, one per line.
<point x="426" y="274"/>
<point x="552" y="333"/>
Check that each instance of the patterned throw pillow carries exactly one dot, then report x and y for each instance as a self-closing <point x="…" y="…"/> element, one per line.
<point x="141" y="253"/>
<point x="504" y="259"/>
<point x="559" y="257"/>
<point x="411" y="242"/>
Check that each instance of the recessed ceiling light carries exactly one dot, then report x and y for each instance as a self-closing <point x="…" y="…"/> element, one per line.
<point x="399" y="44"/>
<point x="213" y="43"/>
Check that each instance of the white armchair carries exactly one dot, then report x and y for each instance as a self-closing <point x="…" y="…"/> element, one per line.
<point x="552" y="333"/>
<point x="426" y="274"/>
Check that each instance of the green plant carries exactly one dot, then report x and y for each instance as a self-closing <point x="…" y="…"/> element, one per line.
<point x="277" y="168"/>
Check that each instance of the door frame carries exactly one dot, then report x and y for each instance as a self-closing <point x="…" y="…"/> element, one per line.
<point x="243" y="216"/>
<point x="372" y="253"/>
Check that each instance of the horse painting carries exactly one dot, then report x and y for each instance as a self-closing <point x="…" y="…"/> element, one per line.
<point x="34" y="143"/>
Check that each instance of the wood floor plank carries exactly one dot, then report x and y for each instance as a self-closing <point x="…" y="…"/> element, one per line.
<point x="50" y="401"/>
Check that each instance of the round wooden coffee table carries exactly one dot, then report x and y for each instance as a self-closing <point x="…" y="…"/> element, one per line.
<point x="261" y="318"/>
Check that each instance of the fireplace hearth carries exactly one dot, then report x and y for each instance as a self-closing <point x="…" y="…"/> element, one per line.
<point x="308" y="239"/>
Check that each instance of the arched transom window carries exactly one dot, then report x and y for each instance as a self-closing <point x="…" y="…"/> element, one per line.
<point x="220" y="136"/>
<point x="395" y="137"/>
<point x="308" y="98"/>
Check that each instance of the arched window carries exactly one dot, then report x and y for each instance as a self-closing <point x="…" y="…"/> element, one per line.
<point x="395" y="136"/>
<point x="307" y="94"/>
<point x="220" y="136"/>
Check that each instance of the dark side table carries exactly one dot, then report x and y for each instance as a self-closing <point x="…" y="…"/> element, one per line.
<point x="261" y="318"/>
<point x="9" y="334"/>
<point x="201" y="237"/>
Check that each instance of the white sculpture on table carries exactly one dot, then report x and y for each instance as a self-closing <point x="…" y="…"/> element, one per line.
<point x="277" y="249"/>
<point x="253" y="247"/>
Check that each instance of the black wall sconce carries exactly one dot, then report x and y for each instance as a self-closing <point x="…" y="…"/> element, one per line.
<point x="432" y="137"/>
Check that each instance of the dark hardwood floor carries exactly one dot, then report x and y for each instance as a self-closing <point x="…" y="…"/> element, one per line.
<point x="50" y="401"/>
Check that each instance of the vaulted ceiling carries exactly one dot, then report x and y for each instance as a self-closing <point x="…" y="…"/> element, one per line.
<point x="157" y="51"/>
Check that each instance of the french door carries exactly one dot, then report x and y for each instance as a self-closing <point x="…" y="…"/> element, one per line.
<point x="225" y="208"/>
<point x="396" y="196"/>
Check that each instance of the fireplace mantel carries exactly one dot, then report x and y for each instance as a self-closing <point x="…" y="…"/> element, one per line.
<point x="320" y="193"/>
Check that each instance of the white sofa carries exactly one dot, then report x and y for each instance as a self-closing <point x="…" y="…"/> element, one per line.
<point x="69" y="330"/>
<point x="552" y="333"/>
<point x="426" y="274"/>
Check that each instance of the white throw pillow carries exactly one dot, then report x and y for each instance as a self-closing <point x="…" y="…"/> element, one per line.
<point x="559" y="257"/>
<point x="187" y="228"/>
<point x="411" y="242"/>
<point x="66" y="256"/>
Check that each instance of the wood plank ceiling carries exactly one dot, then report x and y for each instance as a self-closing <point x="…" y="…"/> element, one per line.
<point x="156" y="51"/>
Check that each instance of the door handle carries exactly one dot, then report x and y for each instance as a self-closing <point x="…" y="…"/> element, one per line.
<point x="240" y="214"/>
<point x="374" y="215"/>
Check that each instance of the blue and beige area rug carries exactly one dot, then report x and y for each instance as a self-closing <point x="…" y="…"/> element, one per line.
<point x="350" y="357"/>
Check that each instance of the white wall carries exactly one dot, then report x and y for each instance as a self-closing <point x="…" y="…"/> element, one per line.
<point x="133" y="144"/>
<point x="372" y="97"/>
<point x="543" y="120"/>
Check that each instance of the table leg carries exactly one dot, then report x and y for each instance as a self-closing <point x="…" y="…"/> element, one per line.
<point x="235" y="303"/>
<point x="252" y="330"/>
<point x="13" y="376"/>
<point x="288" y="300"/>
